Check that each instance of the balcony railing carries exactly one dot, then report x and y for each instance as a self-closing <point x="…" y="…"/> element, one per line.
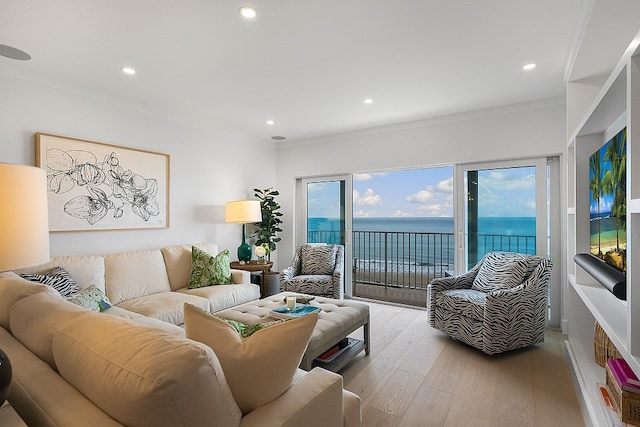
<point x="410" y="260"/>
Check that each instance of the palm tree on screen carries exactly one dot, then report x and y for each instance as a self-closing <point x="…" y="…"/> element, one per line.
<point x="595" y="186"/>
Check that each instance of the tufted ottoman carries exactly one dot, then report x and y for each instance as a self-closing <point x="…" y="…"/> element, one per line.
<point x="337" y="319"/>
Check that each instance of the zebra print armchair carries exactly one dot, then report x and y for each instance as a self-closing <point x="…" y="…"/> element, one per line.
<point x="497" y="306"/>
<point x="315" y="270"/>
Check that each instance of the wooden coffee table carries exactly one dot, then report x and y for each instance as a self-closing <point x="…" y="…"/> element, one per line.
<point x="336" y="320"/>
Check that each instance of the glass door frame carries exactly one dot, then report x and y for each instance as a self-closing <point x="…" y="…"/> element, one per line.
<point x="301" y="220"/>
<point x="543" y="212"/>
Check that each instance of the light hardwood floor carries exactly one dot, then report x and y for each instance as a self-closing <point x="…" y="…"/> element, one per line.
<point x="418" y="376"/>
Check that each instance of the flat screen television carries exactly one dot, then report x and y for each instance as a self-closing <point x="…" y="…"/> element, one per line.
<point x="608" y="201"/>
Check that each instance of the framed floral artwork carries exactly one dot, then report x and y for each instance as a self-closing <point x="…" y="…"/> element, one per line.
<point x="97" y="186"/>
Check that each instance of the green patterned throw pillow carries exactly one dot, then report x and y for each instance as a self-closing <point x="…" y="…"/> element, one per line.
<point x="245" y="331"/>
<point x="207" y="270"/>
<point x="92" y="298"/>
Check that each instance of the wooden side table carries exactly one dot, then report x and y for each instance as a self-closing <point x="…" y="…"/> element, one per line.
<point x="254" y="266"/>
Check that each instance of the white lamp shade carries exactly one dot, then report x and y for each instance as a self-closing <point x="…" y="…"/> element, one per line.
<point x="24" y="223"/>
<point x="243" y="211"/>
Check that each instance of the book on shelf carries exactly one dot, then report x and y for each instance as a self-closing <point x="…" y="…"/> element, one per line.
<point x="301" y="310"/>
<point x="609" y="407"/>
<point x="335" y="351"/>
<point x="624" y="375"/>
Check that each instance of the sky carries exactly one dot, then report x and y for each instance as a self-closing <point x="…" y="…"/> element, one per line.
<point x="426" y="193"/>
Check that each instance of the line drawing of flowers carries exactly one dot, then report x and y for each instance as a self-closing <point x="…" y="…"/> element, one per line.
<point x="109" y="186"/>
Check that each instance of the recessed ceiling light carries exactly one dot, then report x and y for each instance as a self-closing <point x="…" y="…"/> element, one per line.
<point x="248" y="12"/>
<point x="530" y="66"/>
<point x="270" y="122"/>
<point x="14" y="53"/>
<point x="368" y="101"/>
<point x="128" y="70"/>
<point x="278" y="138"/>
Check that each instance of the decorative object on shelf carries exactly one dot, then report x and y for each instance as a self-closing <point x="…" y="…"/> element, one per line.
<point x="286" y="312"/>
<point x="302" y="299"/>
<point x="243" y="212"/>
<point x="24" y="232"/>
<point x="627" y="403"/>
<point x="603" y="347"/>
<point x="269" y="226"/>
<point x="261" y="251"/>
<point x="614" y="280"/>
<point x="96" y="186"/>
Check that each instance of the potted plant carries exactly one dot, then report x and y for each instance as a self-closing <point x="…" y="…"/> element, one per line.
<point x="270" y="224"/>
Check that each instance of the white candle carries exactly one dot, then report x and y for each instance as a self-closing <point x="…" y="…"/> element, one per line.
<point x="291" y="303"/>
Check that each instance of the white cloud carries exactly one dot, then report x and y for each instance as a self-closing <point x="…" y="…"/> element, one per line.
<point x="362" y="214"/>
<point x="399" y="213"/>
<point x="504" y="181"/>
<point x="421" y="196"/>
<point x="369" y="198"/>
<point x="445" y="186"/>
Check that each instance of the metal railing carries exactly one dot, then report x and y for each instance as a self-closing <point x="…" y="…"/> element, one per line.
<point x="412" y="259"/>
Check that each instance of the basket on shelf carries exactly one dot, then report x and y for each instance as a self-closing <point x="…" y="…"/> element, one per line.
<point x="627" y="403"/>
<point x="603" y="347"/>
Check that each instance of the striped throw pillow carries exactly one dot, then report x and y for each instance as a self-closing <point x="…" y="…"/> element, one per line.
<point x="501" y="270"/>
<point x="58" y="278"/>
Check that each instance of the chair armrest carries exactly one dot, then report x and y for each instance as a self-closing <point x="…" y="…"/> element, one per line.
<point x="463" y="281"/>
<point x="287" y="273"/>
<point x="338" y="281"/>
<point x="314" y="399"/>
<point x="240" y="277"/>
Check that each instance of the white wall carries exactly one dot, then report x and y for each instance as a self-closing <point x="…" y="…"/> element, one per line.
<point x="513" y="132"/>
<point x="207" y="168"/>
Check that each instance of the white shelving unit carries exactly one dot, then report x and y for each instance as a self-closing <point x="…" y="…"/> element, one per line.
<point x="615" y="106"/>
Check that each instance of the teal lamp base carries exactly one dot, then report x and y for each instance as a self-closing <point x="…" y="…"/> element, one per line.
<point x="244" y="250"/>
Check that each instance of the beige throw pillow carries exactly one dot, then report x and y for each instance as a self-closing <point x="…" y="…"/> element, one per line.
<point x="258" y="368"/>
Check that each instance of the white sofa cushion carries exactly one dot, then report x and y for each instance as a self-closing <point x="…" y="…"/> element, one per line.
<point x="144" y="320"/>
<point x="13" y="288"/>
<point x="178" y="262"/>
<point x="119" y="365"/>
<point x="42" y="397"/>
<point x="258" y="368"/>
<point x="36" y="318"/>
<point x="87" y="270"/>
<point x="135" y="274"/>
<point x="224" y="296"/>
<point x="165" y="306"/>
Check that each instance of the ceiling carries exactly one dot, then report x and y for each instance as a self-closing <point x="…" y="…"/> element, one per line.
<point x="306" y="65"/>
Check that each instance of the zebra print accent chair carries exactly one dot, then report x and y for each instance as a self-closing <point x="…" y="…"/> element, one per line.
<point x="497" y="306"/>
<point x="315" y="270"/>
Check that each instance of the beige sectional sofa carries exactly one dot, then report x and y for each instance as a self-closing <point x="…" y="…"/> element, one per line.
<point x="154" y="282"/>
<point x="131" y="364"/>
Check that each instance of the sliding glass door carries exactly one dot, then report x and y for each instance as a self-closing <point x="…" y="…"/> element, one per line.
<point x="509" y="206"/>
<point x="325" y="207"/>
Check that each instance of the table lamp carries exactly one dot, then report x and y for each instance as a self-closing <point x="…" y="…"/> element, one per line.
<point x="24" y="231"/>
<point x="243" y="212"/>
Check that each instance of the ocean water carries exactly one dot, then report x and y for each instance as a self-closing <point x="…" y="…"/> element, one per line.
<point x="524" y="226"/>
<point x="422" y="241"/>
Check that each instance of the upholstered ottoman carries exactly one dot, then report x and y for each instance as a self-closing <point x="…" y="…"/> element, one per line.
<point x="337" y="319"/>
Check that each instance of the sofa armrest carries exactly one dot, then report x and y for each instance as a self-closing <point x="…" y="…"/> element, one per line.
<point x="313" y="400"/>
<point x="352" y="407"/>
<point x="240" y="277"/>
